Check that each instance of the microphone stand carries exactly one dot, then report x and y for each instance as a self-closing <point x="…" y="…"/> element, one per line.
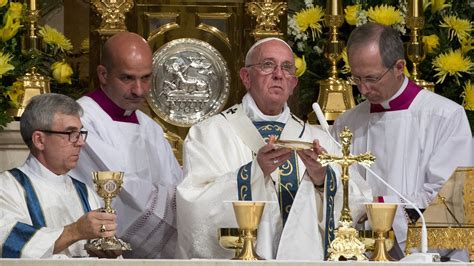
<point x="424" y="256"/>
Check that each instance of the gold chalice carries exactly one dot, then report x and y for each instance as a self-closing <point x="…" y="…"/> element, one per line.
<point x="108" y="185"/>
<point x="381" y="217"/>
<point x="248" y="214"/>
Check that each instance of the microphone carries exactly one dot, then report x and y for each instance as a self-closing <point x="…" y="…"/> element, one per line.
<point x="424" y="257"/>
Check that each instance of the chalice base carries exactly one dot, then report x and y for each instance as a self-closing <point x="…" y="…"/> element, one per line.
<point x="346" y="245"/>
<point x="107" y="244"/>
<point x="248" y="251"/>
<point x="380" y="251"/>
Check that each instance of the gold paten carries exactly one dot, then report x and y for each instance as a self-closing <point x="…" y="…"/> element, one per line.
<point x="415" y="47"/>
<point x="335" y="94"/>
<point x="108" y="185"/>
<point x="346" y="243"/>
<point x="267" y="15"/>
<point x="381" y="217"/>
<point x="450" y="217"/>
<point x="248" y="215"/>
<point x="32" y="84"/>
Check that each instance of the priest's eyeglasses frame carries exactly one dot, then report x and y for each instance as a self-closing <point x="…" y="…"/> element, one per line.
<point x="358" y="80"/>
<point x="269" y="66"/>
<point x="73" y="135"/>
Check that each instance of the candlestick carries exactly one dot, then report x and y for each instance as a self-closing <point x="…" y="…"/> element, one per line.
<point x="415" y="8"/>
<point x="32" y="5"/>
<point x="334" y="7"/>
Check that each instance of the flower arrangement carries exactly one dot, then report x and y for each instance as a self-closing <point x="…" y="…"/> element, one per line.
<point x="447" y="37"/>
<point x="51" y="61"/>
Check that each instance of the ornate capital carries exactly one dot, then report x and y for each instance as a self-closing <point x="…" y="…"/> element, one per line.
<point x="112" y="13"/>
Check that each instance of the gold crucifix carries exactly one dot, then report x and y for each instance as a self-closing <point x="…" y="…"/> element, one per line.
<point x="346" y="243"/>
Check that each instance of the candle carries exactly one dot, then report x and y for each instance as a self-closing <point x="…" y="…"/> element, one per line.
<point x="334" y="7"/>
<point x="415" y="8"/>
<point x="32" y="5"/>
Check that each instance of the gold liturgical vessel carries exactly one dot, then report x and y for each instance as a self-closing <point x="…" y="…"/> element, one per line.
<point x="346" y="243"/>
<point x="108" y="185"/>
<point x="415" y="47"/>
<point x="248" y="215"/>
<point x="335" y="94"/>
<point x="381" y="217"/>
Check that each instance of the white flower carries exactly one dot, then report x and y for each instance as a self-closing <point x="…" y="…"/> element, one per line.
<point x="308" y="3"/>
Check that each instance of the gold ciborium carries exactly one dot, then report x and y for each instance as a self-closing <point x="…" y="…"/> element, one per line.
<point x="381" y="217"/>
<point x="108" y="185"/>
<point x="231" y="238"/>
<point x="248" y="215"/>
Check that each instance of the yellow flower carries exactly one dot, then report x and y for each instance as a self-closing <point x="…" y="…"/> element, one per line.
<point x="351" y="14"/>
<point x="438" y="5"/>
<point x="16" y="92"/>
<point x="5" y="65"/>
<point x="62" y="72"/>
<point x="384" y="14"/>
<point x="458" y="27"/>
<point x="466" y="45"/>
<point x="468" y="95"/>
<point x="15" y="11"/>
<point x="3" y="3"/>
<point x="310" y="18"/>
<point x="53" y="37"/>
<point x="10" y="29"/>
<point x="300" y="65"/>
<point x="346" y="68"/>
<point x="452" y="63"/>
<point x="431" y="42"/>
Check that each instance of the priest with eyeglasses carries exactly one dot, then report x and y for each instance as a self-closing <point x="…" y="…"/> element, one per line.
<point x="44" y="212"/>
<point x="418" y="137"/>
<point x="234" y="156"/>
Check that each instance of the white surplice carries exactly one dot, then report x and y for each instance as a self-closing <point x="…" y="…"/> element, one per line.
<point x="146" y="208"/>
<point x="416" y="149"/>
<point x="59" y="202"/>
<point x="214" y="150"/>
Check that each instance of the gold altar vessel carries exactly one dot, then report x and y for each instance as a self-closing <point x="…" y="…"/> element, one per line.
<point x="231" y="238"/>
<point x="346" y="244"/>
<point x="381" y="217"/>
<point x="108" y="185"/>
<point x="248" y="215"/>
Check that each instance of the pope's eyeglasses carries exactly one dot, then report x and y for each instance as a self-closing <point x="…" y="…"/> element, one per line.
<point x="73" y="135"/>
<point x="269" y="66"/>
<point x="358" y="80"/>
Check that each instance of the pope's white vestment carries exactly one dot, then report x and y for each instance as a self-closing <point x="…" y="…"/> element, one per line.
<point x="146" y="208"/>
<point x="59" y="202"/>
<point x="418" y="142"/>
<point x="214" y="151"/>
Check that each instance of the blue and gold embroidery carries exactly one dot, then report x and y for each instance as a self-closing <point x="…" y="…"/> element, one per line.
<point x="331" y="188"/>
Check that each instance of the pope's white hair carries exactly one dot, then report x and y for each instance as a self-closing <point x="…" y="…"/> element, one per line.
<point x="262" y="41"/>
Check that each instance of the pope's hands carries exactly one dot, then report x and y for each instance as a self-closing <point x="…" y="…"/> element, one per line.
<point x="315" y="170"/>
<point x="270" y="157"/>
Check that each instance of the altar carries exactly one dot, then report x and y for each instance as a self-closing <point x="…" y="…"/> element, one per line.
<point x="198" y="262"/>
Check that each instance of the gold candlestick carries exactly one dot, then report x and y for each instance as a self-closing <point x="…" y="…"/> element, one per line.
<point x="415" y="47"/>
<point x="335" y="95"/>
<point x="346" y="244"/>
<point x="32" y="5"/>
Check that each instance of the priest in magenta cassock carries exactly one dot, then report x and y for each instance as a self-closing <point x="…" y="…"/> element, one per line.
<point x="122" y="138"/>
<point x="232" y="156"/>
<point x="418" y="137"/>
